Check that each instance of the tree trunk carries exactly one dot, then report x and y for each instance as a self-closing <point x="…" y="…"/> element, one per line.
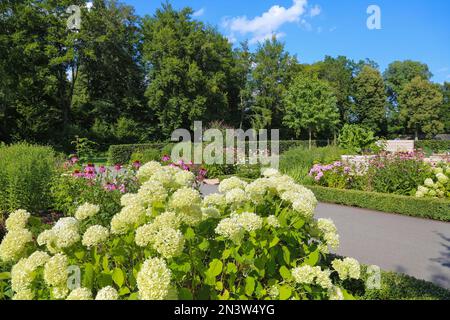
<point x="310" y="138"/>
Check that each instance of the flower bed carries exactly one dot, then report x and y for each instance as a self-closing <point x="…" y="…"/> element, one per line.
<point x="256" y="240"/>
<point x="400" y="174"/>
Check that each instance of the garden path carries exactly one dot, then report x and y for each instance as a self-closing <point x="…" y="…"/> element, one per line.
<point x="413" y="246"/>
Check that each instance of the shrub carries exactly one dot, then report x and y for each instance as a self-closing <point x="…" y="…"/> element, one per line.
<point x="395" y="286"/>
<point x="298" y="162"/>
<point x="436" y="209"/>
<point x="146" y="155"/>
<point x="356" y="138"/>
<point x="435" y="146"/>
<point x="26" y="172"/>
<point x="168" y="242"/>
<point x="438" y="185"/>
<point x="93" y="185"/>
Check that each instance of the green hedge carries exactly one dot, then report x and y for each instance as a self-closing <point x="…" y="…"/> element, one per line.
<point x="437" y="146"/>
<point x="396" y="286"/>
<point x="122" y="153"/>
<point x="437" y="209"/>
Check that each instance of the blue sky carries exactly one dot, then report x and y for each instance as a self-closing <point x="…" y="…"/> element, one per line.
<point x="311" y="29"/>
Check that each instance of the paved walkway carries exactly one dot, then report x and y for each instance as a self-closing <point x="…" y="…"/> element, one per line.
<point x="417" y="247"/>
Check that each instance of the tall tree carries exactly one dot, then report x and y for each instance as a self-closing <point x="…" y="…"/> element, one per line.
<point x="446" y="106"/>
<point x="310" y="105"/>
<point x="420" y="104"/>
<point x="339" y="74"/>
<point x="370" y="99"/>
<point x="190" y="70"/>
<point x="273" y="71"/>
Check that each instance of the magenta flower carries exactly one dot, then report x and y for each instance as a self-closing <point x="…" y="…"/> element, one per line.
<point x="74" y="159"/>
<point x="77" y="174"/>
<point x="137" y="165"/>
<point x="118" y="167"/>
<point x="89" y="172"/>
<point x="122" y="188"/>
<point x="166" y="158"/>
<point x="102" y="169"/>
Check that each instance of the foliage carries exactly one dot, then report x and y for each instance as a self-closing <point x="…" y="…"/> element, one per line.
<point x="168" y="243"/>
<point x="297" y="162"/>
<point x="146" y="155"/>
<point x="310" y="105"/>
<point x="420" y="102"/>
<point x="25" y="177"/>
<point x="121" y="154"/>
<point x="356" y="138"/>
<point x="396" y="286"/>
<point x="434" y="146"/>
<point x="438" y="185"/>
<point x="84" y="148"/>
<point x="273" y="71"/>
<point x="101" y="185"/>
<point x="370" y="100"/>
<point x="190" y="70"/>
<point x="435" y="209"/>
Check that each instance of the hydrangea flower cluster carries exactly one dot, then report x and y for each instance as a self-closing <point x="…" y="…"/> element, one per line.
<point x="348" y="268"/>
<point x="15" y="242"/>
<point x="439" y="187"/>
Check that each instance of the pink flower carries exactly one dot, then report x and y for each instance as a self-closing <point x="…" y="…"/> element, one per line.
<point x="137" y="165"/>
<point x="110" y="187"/>
<point x="89" y="172"/>
<point x="166" y="158"/>
<point x="74" y="159"/>
<point x="118" y="167"/>
<point x="102" y="169"/>
<point x="77" y="174"/>
<point x="122" y="188"/>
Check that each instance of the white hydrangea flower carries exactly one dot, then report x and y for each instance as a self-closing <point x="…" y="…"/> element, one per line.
<point x="154" y="279"/>
<point x="257" y="190"/>
<point x="335" y="293"/>
<point x="55" y="271"/>
<point x="429" y="183"/>
<point x="185" y="198"/>
<point x="66" y="232"/>
<point x="107" y="294"/>
<point x="80" y="294"/>
<point x="348" y="268"/>
<point x="164" y="177"/>
<point x="236" y="197"/>
<point x="60" y="293"/>
<point x="21" y="276"/>
<point x="330" y="234"/>
<point x="312" y="275"/>
<point x="231" y="183"/>
<point x="184" y="178"/>
<point x="14" y="244"/>
<point x="17" y="220"/>
<point x="304" y="207"/>
<point x="270" y="172"/>
<point x="148" y="170"/>
<point x="249" y="221"/>
<point x="442" y="178"/>
<point x="37" y="259"/>
<point x="146" y="234"/>
<point x="169" y="243"/>
<point x="273" y="221"/>
<point x="152" y="192"/>
<point x="214" y="200"/>
<point x="95" y="236"/>
<point x="129" y="199"/>
<point x="231" y="229"/>
<point x="305" y="274"/>
<point x="192" y="216"/>
<point x="127" y="219"/>
<point x="86" y="211"/>
<point x="168" y="219"/>
<point x="24" y="295"/>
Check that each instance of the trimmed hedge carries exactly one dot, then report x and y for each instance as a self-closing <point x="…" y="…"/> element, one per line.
<point x="397" y="286"/>
<point x="437" y="146"/>
<point x="436" y="209"/>
<point x="122" y="153"/>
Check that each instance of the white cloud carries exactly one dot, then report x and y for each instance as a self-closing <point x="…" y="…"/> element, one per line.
<point x="315" y="11"/>
<point x="199" y="13"/>
<point x="268" y="24"/>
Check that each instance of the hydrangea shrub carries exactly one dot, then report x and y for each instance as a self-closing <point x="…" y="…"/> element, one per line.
<point x="438" y="186"/>
<point x="255" y="240"/>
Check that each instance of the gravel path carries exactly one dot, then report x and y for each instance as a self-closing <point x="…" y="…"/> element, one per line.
<point x="417" y="247"/>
